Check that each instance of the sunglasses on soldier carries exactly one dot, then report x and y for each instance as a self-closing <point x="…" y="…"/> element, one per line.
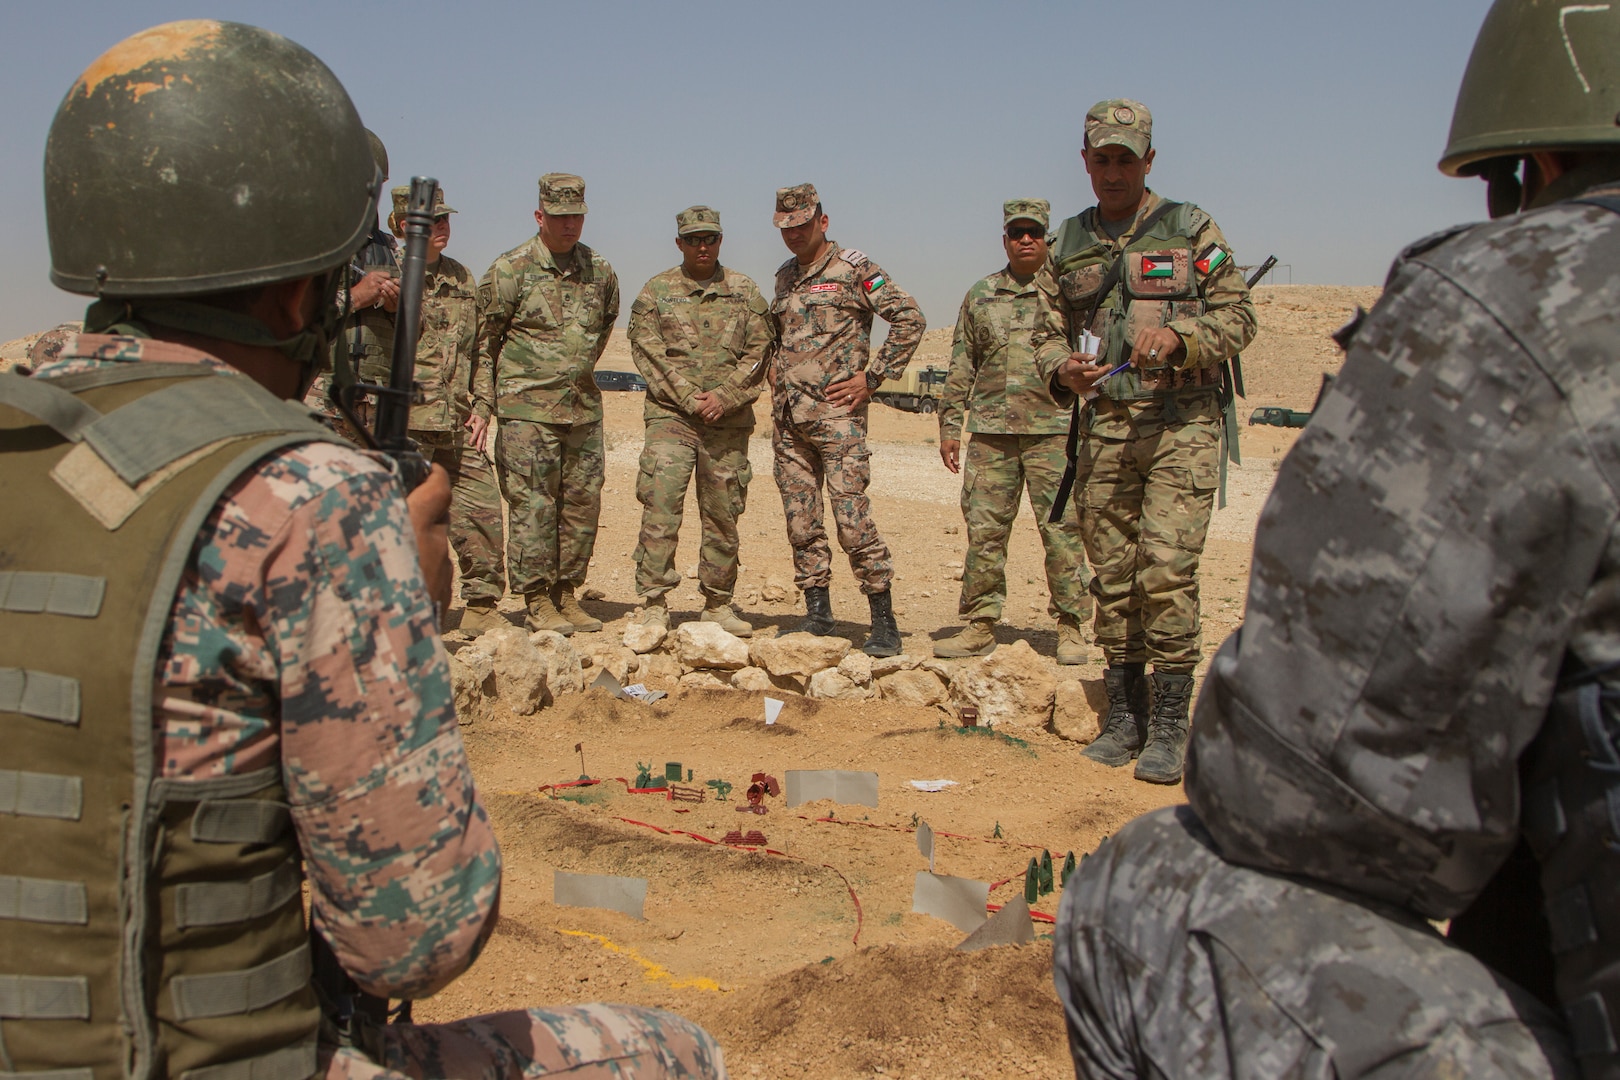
<point x="1018" y="232"/>
<point x="701" y="240"/>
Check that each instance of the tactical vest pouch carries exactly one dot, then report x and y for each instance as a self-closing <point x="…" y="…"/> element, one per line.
<point x="132" y="944"/>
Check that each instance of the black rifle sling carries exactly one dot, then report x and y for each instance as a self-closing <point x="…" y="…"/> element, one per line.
<point x="1072" y="449"/>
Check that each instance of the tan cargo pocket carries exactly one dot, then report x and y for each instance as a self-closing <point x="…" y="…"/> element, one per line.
<point x="1164" y="273"/>
<point x="739" y="489"/>
<point x="1201" y="454"/>
<point x="645" y="475"/>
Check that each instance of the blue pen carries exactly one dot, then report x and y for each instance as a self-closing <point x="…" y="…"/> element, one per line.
<point x="1111" y="374"/>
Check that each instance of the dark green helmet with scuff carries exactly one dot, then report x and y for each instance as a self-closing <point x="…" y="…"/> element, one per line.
<point x="1544" y="75"/>
<point x="199" y="157"/>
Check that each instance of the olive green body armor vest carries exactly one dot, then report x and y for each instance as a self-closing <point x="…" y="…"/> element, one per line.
<point x="1158" y="285"/>
<point x="149" y="927"/>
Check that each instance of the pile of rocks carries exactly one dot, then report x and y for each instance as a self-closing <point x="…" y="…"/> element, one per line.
<point x="1013" y="687"/>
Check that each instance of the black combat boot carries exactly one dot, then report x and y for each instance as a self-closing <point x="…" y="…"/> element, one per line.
<point x="1165" y="755"/>
<point x="817" y="612"/>
<point x="1122" y="728"/>
<point x="885" y="637"/>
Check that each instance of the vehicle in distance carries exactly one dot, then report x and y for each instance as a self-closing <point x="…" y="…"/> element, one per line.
<point x="619" y="380"/>
<point x="1277" y="416"/>
<point x="916" y="391"/>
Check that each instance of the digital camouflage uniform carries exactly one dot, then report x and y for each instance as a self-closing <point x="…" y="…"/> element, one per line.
<point x="688" y="337"/>
<point x="540" y="332"/>
<point x="445" y="355"/>
<point x="1019" y="438"/>
<point x="1150" y="459"/>
<point x="823" y="314"/>
<point x="1425" y="676"/>
<point x="301" y="639"/>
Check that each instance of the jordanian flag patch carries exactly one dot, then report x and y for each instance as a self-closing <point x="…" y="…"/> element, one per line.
<point x="1212" y="257"/>
<point x="874" y="283"/>
<point x="1157" y="266"/>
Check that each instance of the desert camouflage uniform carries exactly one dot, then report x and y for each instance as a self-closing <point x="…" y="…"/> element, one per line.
<point x="823" y="314"/>
<point x="1425" y="676"/>
<point x="1019" y="437"/>
<point x="445" y="354"/>
<point x="540" y="332"/>
<point x="688" y="337"/>
<point x="370" y="329"/>
<point x="1151" y="456"/>
<point x="301" y="635"/>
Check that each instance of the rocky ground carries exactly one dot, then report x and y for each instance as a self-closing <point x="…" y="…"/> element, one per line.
<point x="804" y="956"/>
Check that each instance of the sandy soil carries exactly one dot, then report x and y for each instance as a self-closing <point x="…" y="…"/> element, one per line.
<point x="806" y="959"/>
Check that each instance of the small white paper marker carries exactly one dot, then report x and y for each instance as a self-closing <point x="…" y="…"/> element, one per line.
<point x="773" y="709"/>
<point x="925" y="843"/>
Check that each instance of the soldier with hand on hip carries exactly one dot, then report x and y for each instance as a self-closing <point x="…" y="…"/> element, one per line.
<point x="823" y="376"/>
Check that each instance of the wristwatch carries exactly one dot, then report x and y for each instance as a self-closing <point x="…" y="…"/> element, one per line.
<point x="873" y="380"/>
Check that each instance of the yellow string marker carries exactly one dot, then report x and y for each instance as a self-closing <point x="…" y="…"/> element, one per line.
<point x="653" y="972"/>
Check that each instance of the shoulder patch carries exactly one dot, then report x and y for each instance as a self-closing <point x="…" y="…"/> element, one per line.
<point x="854" y="256"/>
<point x="1210" y="258"/>
<point x="873" y="282"/>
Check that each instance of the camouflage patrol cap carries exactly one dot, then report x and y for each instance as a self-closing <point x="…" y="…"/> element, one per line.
<point x="402" y="196"/>
<point x="1120" y="122"/>
<point x="1037" y="210"/>
<point x="562" y="193"/>
<point x="697" y="219"/>
<point x="795" y="205"/>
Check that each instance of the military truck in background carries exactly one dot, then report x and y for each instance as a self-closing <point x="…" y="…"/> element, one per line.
<point x="918" y="390"/>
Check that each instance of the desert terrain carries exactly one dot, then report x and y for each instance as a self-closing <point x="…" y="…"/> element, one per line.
<point x="803" y="956"/>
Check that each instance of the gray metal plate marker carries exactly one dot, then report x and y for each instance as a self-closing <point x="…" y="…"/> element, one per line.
<point x="626" y="894"/>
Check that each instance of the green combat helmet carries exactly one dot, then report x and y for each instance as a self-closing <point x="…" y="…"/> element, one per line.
<point x="1542" y="76"/>
<point x="201" y="157"/>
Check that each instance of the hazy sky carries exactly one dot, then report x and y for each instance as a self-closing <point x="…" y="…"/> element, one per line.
<point x="1308" y="128"/>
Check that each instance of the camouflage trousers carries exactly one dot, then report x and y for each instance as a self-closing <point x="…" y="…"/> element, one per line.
<point x="997" y="470"/>
<point x="551" y="475"/>
<point x="673" y="452"/>
<point x="1171" y="962"/>
<point x="831" y="452"/>
<point x="1144" y="516"/>
<point x="586" y="1042"/>
<point x="475" y="512"/>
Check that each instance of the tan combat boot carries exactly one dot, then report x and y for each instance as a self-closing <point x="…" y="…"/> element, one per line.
<point x="977" y="638"/>
<point x="728" y="620"/>
<point x="563" y="593"/>
<point x="543" y="615"/>
<point x="481" y="615"/>
<point x="655" y="613"/>
<point x="1071" y="647"/>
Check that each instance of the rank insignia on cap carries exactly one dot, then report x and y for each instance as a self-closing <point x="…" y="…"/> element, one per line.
<point x="1212" y="257"/>
<point x="1157" y="266"/>
<point x="874" y="283"/>
<point x="1125" y="115"/>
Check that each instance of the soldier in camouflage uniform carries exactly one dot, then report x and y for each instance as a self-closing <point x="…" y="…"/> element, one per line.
<point x="699" y="334"/>
<point x="372" y="300"/>
<point x="1019" y="436"/>
<point x="1419" y="717"/>
<point x="449" y="426"/>
<point x="1159" y="286"/>
<point x="821" y="381"/>
<point x="294" y="734"/>
<point x="545" y="311"/>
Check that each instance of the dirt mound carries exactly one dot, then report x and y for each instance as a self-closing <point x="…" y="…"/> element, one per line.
<point x="925" y="1011"/>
